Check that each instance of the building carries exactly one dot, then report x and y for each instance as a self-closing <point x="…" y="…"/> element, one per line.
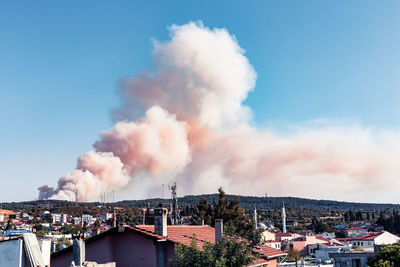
<point x="302" y="243"/>
<point x="59" y="218"/>
<point x="105" y="217"/>
<point x="273" y="244"/>
<point x="322" y="251"/>
<point x="350" y="259"/>
<point x="355" y="231"/>
<point x="5" y="215"/>
<point x="281" y="237"/>
<point x="266" y="236"/>
<point x="151" y="245"/>
<point x="370" y="240"/>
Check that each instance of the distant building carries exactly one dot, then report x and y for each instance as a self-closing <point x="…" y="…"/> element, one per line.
<point x="371" y="240"/>
<point x="273" y="244"/>
<point x="105" y="217"/>
<point x="355" y="231"/>
<point x="283" y="236"/>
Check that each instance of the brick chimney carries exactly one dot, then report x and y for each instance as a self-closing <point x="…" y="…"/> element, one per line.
<point x="160" y="221"/>
<point x="219" y="229"/>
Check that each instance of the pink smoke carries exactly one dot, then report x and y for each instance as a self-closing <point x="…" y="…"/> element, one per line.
<point x="197" y="131"/>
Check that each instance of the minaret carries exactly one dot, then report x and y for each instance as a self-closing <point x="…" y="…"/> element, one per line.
<point x="255" y="217"/>
<point x="283" y="218"/>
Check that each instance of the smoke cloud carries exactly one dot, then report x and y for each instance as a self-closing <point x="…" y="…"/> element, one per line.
<point x="186" y="122"/>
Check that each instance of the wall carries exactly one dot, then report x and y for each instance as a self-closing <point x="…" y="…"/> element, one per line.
<point x="126" y="249"/>
<point x="11" y="253"/>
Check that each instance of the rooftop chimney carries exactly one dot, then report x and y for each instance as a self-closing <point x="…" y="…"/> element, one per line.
<point x="160" y="221"/>
<point x="78" y="250"/>
<point x="219" y="229"/>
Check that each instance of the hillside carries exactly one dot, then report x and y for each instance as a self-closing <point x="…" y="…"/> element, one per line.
<point x="247" y="202"/>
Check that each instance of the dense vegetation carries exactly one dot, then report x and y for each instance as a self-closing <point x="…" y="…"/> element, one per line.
<point x="246" y="202"/>
<point x="388" y="256"/>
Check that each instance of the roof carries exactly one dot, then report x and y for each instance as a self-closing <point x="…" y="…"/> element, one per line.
<point x="322" y="238"/>
<point x="271" y="241"/>
<point x="7" y="212"/>
<point x="183" y="234"/>
<point x="355" y="228"/>
<point x="282" y="234"/>
<point x="368" y="237"/>
<point x="268" y="252"/>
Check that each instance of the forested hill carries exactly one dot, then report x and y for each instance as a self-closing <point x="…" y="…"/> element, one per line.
<point x="247" y="202"/>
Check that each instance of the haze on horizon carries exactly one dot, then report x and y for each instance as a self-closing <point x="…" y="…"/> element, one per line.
<point x="291" y="100"/>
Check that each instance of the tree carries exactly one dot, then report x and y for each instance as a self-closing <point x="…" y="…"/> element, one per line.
<point x="293" y="254"/>
<point x="234" y="218"/>
<point x="388" y="256"/>
<point x="227" y="252"/>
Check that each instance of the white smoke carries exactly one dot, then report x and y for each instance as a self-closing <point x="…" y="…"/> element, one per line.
<point x="196" y="130"/>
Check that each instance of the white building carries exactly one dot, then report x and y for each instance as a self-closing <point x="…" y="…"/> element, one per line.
<point x="321" y="251"/>
<point x="273" y="244"/>
<point x="105" y="216"/>
<point x="87" y="219"/>
<point x="370" y="240"/>
<point x="61" y="218"/>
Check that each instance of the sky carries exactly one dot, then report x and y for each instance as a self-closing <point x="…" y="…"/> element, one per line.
<point x="62" y="63"/>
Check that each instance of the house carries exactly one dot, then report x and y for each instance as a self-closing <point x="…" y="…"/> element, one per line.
<point x="370" y="240"/>
<point x="359" y="259"/>
<point x="328" y="235"/>
<point x="152" y="245"/>
<point x="301" y="243"/>
<point x="273" y="244"/>
<point x="355" y="231"/>
<point x="283" y="237"/>
<point x="322" y="250"/>
<point x="266" y="235"/>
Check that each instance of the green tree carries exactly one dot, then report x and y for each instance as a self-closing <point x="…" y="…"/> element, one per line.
<point x="388" y="256"/>
<point x="293" y="254"/>
<point x="234" y="218"/>
<point x="227" y="252"/>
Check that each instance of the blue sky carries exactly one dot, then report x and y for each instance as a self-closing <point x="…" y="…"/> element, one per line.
<point x="60" y="64"/>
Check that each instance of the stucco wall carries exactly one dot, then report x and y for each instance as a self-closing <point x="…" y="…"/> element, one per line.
<point x="126" y="249"/>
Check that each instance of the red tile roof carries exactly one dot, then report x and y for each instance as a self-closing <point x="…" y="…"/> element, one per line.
<point x="368" y="237"/>
<point x="322" y="238"/>
<point x="183" y="234"/>
<point x="355" y="228"/>
<point x="282" y="234"/>
<point x="268" y="252"/>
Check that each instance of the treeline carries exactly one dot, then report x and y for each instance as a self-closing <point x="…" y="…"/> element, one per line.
<point x="246" y="202"/>
<point x="390" y="222"/>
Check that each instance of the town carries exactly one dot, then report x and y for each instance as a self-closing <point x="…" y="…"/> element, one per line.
<point x="98" y="234"/>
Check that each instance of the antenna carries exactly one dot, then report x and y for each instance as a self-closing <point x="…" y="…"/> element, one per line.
<point x="174" y="200"/>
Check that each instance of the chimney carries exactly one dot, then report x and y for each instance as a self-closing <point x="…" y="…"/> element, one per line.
<point x="78" y="251"/>
<point x="219" y="229"/>
<point x="114" y="219"/>
<point x="160" y="221"/>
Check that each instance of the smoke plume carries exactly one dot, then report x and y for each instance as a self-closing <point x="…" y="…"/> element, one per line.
<point x="186" y="122"/>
